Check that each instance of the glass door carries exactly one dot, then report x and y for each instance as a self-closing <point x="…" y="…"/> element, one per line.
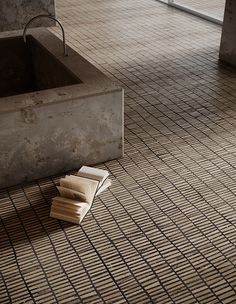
<point x="212" y="10"/>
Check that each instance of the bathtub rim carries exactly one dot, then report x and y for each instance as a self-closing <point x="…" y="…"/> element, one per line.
<point x="93" y="81"/>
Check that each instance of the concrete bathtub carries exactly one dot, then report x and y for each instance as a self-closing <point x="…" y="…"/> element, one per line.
<point x="56" y="112"/>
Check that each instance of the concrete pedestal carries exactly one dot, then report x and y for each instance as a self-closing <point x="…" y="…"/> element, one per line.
<point x="57" y="129"/>
<point x="228" y="39"/>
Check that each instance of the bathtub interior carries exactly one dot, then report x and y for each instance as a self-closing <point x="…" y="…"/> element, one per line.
<point x="29" y="67"/>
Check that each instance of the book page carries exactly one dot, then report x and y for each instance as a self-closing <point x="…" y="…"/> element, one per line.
<point x="93" y="173"/>
<point x="67" y="201"/>
<point x="80" y="186"/>
<point x="69" y="207"/>
<point x="61" y="213"/>
<point x="104" y="186"/>
<point x="88" y="186"/>
<point x="62" y="217"/>
<point x="68" y="211"/>
<point x="72" y="194"/>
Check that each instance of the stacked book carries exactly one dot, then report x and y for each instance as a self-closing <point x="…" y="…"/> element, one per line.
<point x="77" y="193"/>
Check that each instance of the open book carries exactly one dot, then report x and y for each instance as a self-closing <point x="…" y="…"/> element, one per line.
<point x="77" y="193"/>
<point x="96" y="174"/>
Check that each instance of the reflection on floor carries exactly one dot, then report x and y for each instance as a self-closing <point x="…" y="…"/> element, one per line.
<point x="165" y="231"/>
<point x="214" y="7"/>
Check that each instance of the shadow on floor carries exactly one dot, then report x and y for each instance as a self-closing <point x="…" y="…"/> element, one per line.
<point x="24" y="216"/>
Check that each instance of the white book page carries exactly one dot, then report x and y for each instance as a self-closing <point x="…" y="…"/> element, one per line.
<point x="66" y="210"/>
<point x="62" y="217"/>
<point x="79" y="186"/>
<point x="69" y="207"/>
<point x="66" y="201"/>
<point x="104" y="186"/>
<point x="72" y="194"/>
<point x="93" y="173"/>
<point x="60" y="213"/>
<point x="87" y="183"/>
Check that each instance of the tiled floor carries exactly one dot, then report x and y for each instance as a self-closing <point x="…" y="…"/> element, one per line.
<point x="165" y="231"/>
<point x="214" y="7"/>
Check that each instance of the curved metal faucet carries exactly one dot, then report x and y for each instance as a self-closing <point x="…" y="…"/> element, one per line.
<point x="50" y="17"/>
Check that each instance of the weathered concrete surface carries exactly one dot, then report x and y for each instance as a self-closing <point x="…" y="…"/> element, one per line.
<point x="52" y="131"/>
<point x="228" y="38"/>
<point x="14" y="14"/>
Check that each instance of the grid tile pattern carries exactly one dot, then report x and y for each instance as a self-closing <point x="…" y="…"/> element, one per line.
<point x="165" y="231"/>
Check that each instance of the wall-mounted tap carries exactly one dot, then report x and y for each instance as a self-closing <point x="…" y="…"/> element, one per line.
<point x="50" y="17"/>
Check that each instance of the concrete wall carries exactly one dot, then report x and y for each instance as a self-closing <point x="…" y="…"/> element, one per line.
<point x="50" y="139"/>
<point x="14" y="14"/>
<point x="228" y="39"/>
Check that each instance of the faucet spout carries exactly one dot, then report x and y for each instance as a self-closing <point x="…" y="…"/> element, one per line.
<point x="50" y="17"/>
